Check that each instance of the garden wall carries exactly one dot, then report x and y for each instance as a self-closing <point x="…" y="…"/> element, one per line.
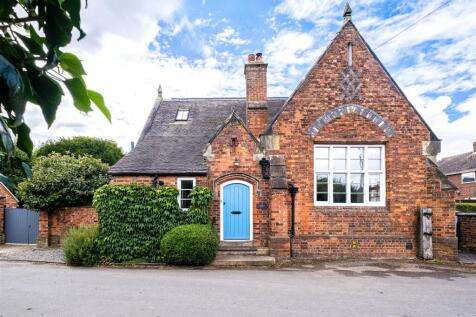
<point x="53" y="225"/>
<point x="467" y="231"/>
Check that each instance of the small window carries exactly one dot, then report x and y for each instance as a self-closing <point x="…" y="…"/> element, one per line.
<point x="185" y="186"/>
<point x="349" y="175"/>
<point x="468" y="177"/>
<point x="182" y="115"/>
<point x="349" y="54"/>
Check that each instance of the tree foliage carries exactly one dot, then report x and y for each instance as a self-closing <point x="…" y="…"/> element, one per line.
<point x="13" y="169"/>
<point x="35" y="69"/>
<point x="105" y="150"/>
<point x="63" y="181"/>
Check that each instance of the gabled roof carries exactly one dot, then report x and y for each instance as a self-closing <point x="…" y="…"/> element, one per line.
<point x="456" y="164"/>
<point x="166" y="146"/>
<point x="433" y="136"/>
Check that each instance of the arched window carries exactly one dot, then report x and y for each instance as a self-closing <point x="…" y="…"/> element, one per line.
<point x="349" y="54"/>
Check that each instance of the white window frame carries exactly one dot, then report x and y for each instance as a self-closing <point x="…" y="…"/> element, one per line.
<point x="462" y="177"/>
<point x="182" y="118"/>
<point x="365" y="171"/>
<point x="179" y="187"/>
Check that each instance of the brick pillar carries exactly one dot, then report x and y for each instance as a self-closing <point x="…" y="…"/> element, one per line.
<point x="256" y="94"/>
<point x="43" y="230"/>
<point x="2" y="219"/>
<point x="279" y="218"/>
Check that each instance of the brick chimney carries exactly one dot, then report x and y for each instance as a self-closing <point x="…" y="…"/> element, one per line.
<point x="256" y="95"/>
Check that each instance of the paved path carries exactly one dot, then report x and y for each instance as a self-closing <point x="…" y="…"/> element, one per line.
<point x="31" y="253"/>
<point x="332" y="289"/>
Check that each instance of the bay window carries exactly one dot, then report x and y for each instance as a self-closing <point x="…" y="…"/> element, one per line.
<point x="349" y="175"/>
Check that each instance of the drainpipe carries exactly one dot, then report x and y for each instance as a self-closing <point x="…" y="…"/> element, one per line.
<point x="293" y="191"/>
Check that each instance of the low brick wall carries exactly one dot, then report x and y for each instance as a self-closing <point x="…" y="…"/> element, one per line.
<point x="467" y="231"/>
<point x="53" y="225"/>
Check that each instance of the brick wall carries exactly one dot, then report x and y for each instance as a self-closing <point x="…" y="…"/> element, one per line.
<point x="465" y="191"/>
<point x="2" y="219"/>
<point x="10" y="200"/>
<point x="467" y="237"/>
<point x="351" y="231"/>
<point x="53" y="225"/>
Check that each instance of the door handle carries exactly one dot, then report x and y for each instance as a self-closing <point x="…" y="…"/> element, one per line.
<point x="236" y="212"/>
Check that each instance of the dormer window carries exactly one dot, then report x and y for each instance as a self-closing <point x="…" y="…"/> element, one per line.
<point x="182" y="115"/>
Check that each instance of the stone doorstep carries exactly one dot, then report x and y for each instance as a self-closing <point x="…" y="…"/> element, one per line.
<point x="231" y="260"/>
<point x="241" y="248"/>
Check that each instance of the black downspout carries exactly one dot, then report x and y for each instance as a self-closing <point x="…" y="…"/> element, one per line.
<point x="293" y="191"/>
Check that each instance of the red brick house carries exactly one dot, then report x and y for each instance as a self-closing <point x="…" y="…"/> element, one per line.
<point x="339" y="168"/>
<point x="461" y="171"/>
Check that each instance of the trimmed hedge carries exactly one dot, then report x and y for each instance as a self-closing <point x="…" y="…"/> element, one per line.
<point x="131" y="224"/>
<point x="466" y="207"/>
<point x="80" y="246"/>
<point x="190" y="245"/>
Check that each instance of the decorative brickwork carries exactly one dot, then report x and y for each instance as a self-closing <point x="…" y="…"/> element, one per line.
<point x="467" y="233"/>
<point x="340" y="111"/>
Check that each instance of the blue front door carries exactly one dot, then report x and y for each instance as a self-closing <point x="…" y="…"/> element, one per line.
<point x="236" y="212"/>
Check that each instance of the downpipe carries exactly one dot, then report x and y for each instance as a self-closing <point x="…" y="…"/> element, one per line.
<point x="293" y="190"/>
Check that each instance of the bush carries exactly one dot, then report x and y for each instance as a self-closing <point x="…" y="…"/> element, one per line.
<point x="80" y="246"/>
<point x="63" y="181"/>
<point x="11" y="167"/>
<point x="133" y="219"/>
<point x="190" y="245"/>
<point x="466" y="207"/>
<point x="105" y="150"/>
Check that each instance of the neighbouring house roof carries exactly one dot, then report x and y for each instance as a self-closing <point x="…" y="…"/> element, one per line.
<point x="458" y="163"/>
<point x="167" y="146"/>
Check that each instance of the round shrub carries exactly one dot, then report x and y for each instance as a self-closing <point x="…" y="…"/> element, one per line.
<point x="80" y="247"/>
<point x="190" y="245"/>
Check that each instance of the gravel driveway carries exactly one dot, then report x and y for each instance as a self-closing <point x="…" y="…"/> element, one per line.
<point x="31" y="253"/>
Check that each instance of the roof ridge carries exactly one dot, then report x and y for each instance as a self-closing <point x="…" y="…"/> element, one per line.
<point x="218" y="98"/>
<point x="453" y="156"/>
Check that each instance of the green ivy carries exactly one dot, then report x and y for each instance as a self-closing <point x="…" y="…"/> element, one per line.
<point x="466" y="207"/>
<point x="198" y="211"/>
<point x="133" y="219"/>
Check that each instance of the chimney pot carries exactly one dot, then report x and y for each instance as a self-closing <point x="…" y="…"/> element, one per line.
<point x="259" y="57"/>
<point x="251" y="58"/>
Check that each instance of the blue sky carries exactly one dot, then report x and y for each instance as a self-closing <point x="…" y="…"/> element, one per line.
<point x="197" y="49"/>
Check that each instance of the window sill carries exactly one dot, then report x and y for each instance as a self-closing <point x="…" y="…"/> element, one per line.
<point x="349" y="208"/>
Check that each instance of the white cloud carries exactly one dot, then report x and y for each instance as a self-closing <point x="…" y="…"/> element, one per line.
<point x="126" y="64"/>
<point x="230" y="36"/>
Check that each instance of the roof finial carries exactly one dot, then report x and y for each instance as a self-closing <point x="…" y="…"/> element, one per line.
<point x="347" y="12"/>
<point x="159" y="92"/>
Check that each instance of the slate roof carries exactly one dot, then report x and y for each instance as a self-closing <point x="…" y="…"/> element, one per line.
<point x="166" y="146"/>
<point x="458" y="163"/>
